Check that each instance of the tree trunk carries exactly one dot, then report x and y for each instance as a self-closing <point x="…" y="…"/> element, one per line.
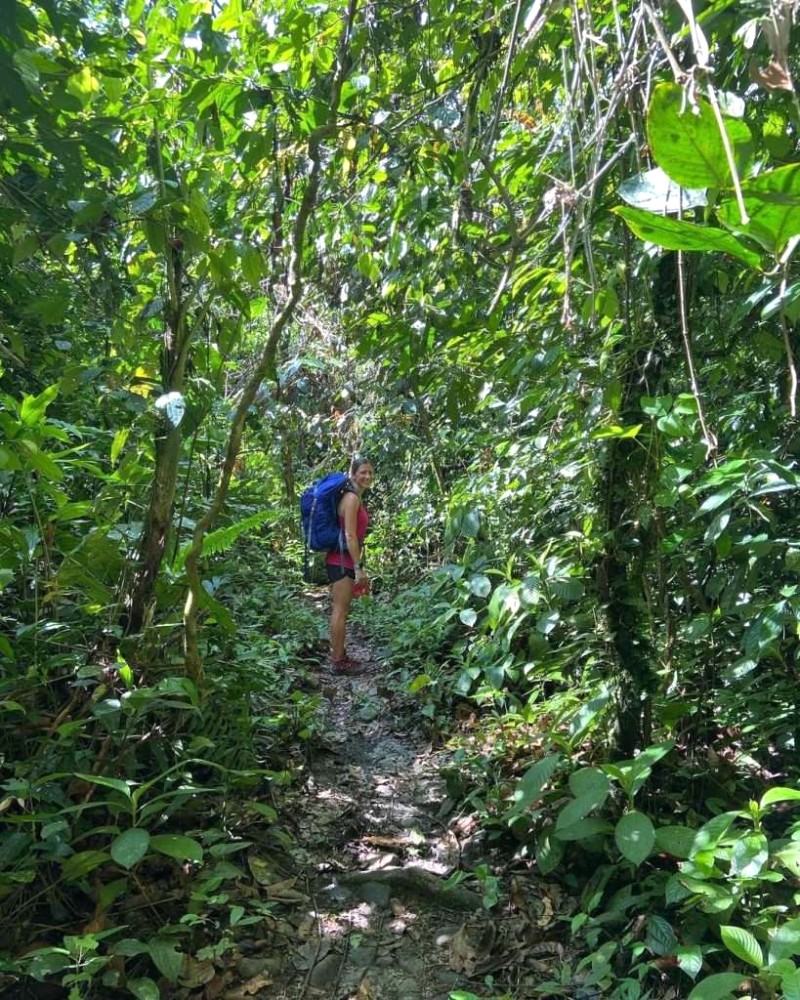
<point x="158" y="522"/>
<point x="266" y="364"/>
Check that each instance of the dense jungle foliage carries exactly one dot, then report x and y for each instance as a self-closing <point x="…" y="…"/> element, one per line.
<point x="537" y="260"/>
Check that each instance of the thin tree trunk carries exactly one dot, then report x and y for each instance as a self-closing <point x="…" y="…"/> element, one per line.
<point x="266" y="364"/>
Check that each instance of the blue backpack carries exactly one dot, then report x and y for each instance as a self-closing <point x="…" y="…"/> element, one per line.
<point x="319" y="514"/>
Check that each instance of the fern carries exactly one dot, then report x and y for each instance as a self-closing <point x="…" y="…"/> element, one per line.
<point x="222" y="539"/>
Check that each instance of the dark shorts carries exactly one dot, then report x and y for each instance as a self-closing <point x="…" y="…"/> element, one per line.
<point x="336" y="573"/>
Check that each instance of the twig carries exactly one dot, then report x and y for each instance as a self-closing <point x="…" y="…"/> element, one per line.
<point x="512" y="44"/>
<point x="710" y="438"/>
<point x="787" y="343"/>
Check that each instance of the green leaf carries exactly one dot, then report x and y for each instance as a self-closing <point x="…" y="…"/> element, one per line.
<point x="530" y="785"/>
<point x="166" y="958"/>
<point x="743" y="945"/>
<point x="480" y="585"/>
<point x="789" y="857"/>
<point x="686" y="141"/>
<point x="264" y="809"/>
<point x="41" y="461"/>
<point x="118" y="443"/>
<point x="143" y="989"/>
<point x="785" y="941"/>
<point x="590" y="782"/>
<point x="779" y="794"/>
<point x="130" y="847"/>
<point x="177" y="846"/>
<point x="583" y="829"/>
<point x="635" y="836"/>
<point x="578" y="808"/>
<point x="549" y="851"/>
<point x="675" y="234"/>
<point x="718" y="987"/>
<point x="772" y="201"/>
<point x="115" y="783"/>
<point x="77" y="866"/>
<point x="84" y="85"/>
<point x="468" y="616"/>
<point x="660" y="937"/>
<point x="712" y="832"/>
<point x="690" y="959"/>
<point x="790" y="984"/>
<point x="749" y="855"/>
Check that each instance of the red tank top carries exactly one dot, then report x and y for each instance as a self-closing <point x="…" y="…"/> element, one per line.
<point x="337" y="558"/>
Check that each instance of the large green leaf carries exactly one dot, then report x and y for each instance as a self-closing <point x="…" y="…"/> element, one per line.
<point x="130" y="847"/>
<point x="99" y="779"/>
<point x="743" y="945"/>
<point x="578" y="808"/>
<point x="779" y="794"/>
<point x="772" y="201"/>
<point x="33" y="408"/>
<point x="177" y="846"/>
<point x="635" y="836"/>
<point x="790" y="984"/>
<point x="686" y="142"/>
<point x="583" y="829"/>
<point x="675" y="840"/>
<point x="590" y="782"/>
<point x="166" y="958"/>
<point x="675" y="234"/>
<point x="785" y="941"/>
<point x="749" y="855"/>
<point x="533" y="781"/>
<point x="718" y="987"/>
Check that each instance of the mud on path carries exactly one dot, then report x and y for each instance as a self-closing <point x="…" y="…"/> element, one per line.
<point x="368" y="913"/>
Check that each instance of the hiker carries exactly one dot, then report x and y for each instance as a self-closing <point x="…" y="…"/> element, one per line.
<point x="344" y="566"/>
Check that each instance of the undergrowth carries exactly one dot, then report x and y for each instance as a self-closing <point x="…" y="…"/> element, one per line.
<point x="685" y="859"/>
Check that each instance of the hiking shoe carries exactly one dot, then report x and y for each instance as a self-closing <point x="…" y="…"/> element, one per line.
<point x="347" y="665"/>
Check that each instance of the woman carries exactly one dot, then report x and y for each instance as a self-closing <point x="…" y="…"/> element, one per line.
<point x="344" y="567"/>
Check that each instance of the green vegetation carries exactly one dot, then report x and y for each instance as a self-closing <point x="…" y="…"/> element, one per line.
<point x="538" y="261"/>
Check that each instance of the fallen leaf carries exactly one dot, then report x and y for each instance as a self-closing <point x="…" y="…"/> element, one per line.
<point x="214" y="988"/>
<point x="261" y="870"/>
<point x="196" y="973"/>
<point x="462" y="954"/>
<point x="773" y="76"/>
<point x="283" y="890"/>
<point x="250" y="988"/>
<point x="366" y="990"/>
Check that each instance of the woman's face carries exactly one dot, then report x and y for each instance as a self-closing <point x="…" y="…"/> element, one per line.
<point x="362" y="477"/>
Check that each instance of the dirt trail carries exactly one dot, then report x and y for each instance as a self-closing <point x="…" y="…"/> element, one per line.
<point x="365" y="910"/>
<point x="376" y="920"/>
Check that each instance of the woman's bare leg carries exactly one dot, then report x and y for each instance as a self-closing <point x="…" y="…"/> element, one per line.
<point x="341" y="598"/>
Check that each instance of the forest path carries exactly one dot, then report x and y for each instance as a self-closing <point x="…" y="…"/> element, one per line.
<point x="369" y="916"/>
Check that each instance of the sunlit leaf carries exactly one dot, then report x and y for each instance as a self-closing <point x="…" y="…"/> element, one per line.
<point x="676" y="234"/>
<point x="654" y="191"/>
<point x="772" y="201"/>
<point x="685" y="139"/>
<point x="743" y="945"/>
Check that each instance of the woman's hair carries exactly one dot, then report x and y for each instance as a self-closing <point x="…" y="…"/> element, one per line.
<point x="357" y="462"/>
